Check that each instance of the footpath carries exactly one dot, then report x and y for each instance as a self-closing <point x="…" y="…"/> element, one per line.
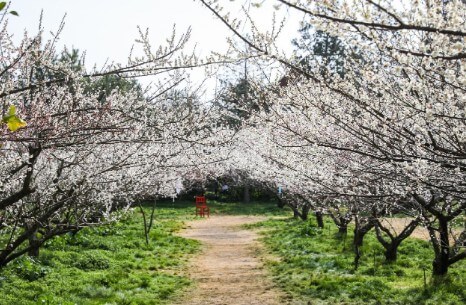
<point x="228" y="270"/>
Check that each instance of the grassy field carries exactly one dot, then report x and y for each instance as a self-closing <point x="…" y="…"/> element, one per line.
<point x="105" y="265"/>
<point x="253" y="208"/>
<point x="112" y="264"/>
<point x="316" y="266"/>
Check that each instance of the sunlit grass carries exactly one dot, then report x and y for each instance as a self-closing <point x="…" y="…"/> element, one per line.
<point x="110" y="264"/>
<point x="228" y="208"/>
<point x="315" y="264"/>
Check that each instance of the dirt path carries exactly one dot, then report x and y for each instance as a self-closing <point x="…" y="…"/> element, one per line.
<point x="397" y="225"/>
<point x="228" y="271"/>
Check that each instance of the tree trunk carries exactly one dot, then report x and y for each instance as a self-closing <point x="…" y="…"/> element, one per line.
<point x="358" y="237"/>
<point x="442" y="257"/>
<point x="391" y="246"/>
<point x="343" y="230"/>
<point x="34" y="245"/>
<point x="359" y="232"/>
<point x="304" y="216"/>
<point x="246" y="195"/>
<point x="357" y="256"/>
<point x="280" y="203"/>
<point x="148" y="225"/>
<point x="440" y="265"/>
<point x="320" y="219"/>
<point x="391" y="253"/>
<point x="305" y="212"/>
<point x="342" y="224"/>
<point x="216" y="186"/>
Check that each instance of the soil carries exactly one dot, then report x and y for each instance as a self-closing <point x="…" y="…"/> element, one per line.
<point x="397" y="225"/>
<point x="229" y="269"/>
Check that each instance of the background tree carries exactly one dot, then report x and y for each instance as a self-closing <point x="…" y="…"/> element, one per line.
<point x="94" y="143"/>
<point x="316" y="47"/>
<point x="393" y="118"/>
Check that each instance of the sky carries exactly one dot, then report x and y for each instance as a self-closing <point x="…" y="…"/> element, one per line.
<point x="107" y="29"/>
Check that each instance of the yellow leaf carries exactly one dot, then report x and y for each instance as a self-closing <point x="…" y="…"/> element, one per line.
<point x="14" y="123"/>
<point x="12" y="110"/>
<point x="12" y="120"/>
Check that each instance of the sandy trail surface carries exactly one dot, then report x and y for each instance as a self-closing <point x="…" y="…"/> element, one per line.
<point x="397" y="225"/>
<point x="228" y="270"/>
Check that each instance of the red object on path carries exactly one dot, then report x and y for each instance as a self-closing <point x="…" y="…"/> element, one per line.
<point x="201" y="206"/>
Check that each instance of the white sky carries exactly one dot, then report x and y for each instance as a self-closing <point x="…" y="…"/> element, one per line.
<point x="106" y="29"/>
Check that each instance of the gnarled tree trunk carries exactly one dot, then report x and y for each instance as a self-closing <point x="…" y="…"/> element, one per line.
<point x="319" y="219"/>
<point x="391" y="246"/>
<point x="438" y="218"/>
<point x="341" y="222"/>
<point x="361" y="228"/>
<point x="34" y="245"/>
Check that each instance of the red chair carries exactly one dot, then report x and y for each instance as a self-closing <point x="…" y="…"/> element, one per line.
<point x="201" y="207"/>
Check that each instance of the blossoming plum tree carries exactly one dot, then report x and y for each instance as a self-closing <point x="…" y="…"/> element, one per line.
<point x="82" y="157"/>
<point x="396" y="116"/>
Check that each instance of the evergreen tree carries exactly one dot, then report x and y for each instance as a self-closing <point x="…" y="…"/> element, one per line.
<point x="240" y="100"/>
<point x="318" y="48"/>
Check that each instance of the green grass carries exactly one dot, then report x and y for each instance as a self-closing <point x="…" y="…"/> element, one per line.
<point x="110" y="264"/>
<point x="252" y="208"/>
<point x="314" y="265"/>
<point x="228" y="208"/>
